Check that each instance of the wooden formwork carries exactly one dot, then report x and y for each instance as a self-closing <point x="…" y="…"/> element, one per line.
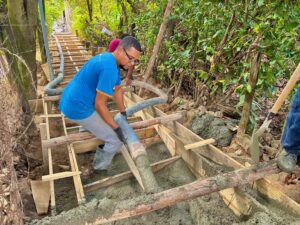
<point x="180" y="141"/>
<point x="175" y="135"/>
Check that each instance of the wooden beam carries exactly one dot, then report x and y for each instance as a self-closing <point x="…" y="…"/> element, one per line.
<point x="52" y="116"/>
<point x="91" y="144"/>
<point x="43" y="133"/>
<point x="132" y="166"/>
<point x="199" y="144"/>
<point x="127" y="175"/>
<point x="157" y="120"/>
<point x="142" y="134"/>
<point x="36" y="106"/>
<point x="50" y="162"/>
<point x="54" y="98"/>
<point x="74" y="168"/>
<point x="60" y="175"/>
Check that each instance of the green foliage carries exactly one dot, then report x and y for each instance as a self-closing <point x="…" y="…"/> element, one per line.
<point x="204" y="44"/>
<point x="53" y="10"/>
<point x="105" y="14"/>
<point x="200" y="29"/>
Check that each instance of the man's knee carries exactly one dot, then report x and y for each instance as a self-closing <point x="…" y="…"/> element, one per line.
<point x="113" y="145"/>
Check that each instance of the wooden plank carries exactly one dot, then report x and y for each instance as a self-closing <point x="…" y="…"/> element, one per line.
<point x="52" y="116"/>
<point x="52" y="192"/>
<point x="141" y="133"/>
<point x="157" y="120"/>
<point x="43" y="133"/>
<point x="56" y="176"/>
<point x="240" y="203"/>
<point x="36" y="106"/>
<point x="76" y="178"/>
<point x="132" y="166"/>
<point x="91" y="144"/>
<point x="45" y="70"/>
<point x="74" y="167"/>
<point x="199" y="144"/>
<point x="157" y="166"/>
<point x="267" y="188"/>
<point x="41" y="195"/>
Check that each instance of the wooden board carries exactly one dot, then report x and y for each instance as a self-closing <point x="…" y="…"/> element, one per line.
<point x="41" y="195"/>
<point x="127" y="175"/>
<point x="45" y="70"/>
<point x="90" y="144"/>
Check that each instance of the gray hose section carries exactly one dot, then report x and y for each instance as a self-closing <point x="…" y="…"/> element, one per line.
<point x="50" y="88"/>
<point x="127" y="130"/>
<point x="149" y="102"/>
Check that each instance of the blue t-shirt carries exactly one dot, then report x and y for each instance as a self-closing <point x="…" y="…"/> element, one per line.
<point x="100" y="74"/>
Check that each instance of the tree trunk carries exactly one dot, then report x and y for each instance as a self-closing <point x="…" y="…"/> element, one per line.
<point x="41" y="41"/>
<point x="176" y="92"/>
<point x="86" y="135"/>
<point x="40" y="36"/>
<point x="159" y="38"/>
<point x="20" y="39"/>
<point x="123" y="17"/>
<point x="10" y="124"/>
<point x="249" y="96"/>
<point x="90" y="9"/>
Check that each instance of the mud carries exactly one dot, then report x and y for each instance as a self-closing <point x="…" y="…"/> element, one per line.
<point x="204" y="210"/>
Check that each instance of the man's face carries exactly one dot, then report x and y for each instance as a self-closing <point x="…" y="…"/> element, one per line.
<point x="130" y="57"/>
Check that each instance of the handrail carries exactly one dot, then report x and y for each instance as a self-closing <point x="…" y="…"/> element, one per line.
<point x="50" y="88"/>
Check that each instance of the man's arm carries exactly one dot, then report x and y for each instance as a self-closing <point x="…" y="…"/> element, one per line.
<point x="129" y="76"/>
<point x="101" y="108"/>
<point x="119" y="99"/>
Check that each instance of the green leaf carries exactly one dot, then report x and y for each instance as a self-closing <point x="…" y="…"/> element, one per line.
<point x="248" y="87"/>
<point x="260" y="3"/>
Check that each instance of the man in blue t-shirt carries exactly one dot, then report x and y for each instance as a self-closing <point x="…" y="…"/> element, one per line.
<point x="84" y="100"/>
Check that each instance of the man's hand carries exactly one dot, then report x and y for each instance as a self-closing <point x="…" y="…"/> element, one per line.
<point x="124" y="114"/>
<point x="120" y="134"/>
<point x="129" y="76"/>
<point x="128" y="80"/>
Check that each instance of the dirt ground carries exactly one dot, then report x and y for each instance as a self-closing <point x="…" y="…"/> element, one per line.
<point x="204" y="210"/>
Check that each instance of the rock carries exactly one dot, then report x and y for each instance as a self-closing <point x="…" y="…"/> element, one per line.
<point x="190" y="115"/>
<point x="177" y="101"/>
<point x="238" y="152"/>
<point x="201" y="108"/>
<point x="207" y="125"/>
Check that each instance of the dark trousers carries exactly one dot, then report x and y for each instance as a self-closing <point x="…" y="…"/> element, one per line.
<point x="291" y="136"/>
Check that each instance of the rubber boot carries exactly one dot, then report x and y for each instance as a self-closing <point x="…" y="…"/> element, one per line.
<point x="287" y="161"/>
<point x="102" y="159"/>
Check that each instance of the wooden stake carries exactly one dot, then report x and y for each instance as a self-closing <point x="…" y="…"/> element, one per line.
<point x="132" y="166"/>
<point x="127" y="175"/>
<point x="199" y="144"/>
<point x="158" y="41"/>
